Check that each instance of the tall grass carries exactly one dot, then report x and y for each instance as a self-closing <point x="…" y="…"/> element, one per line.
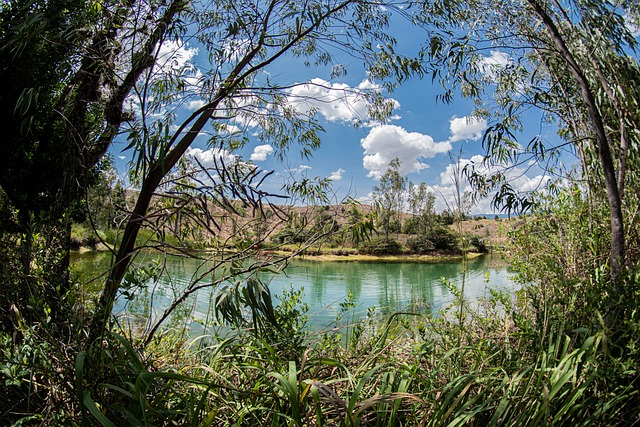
<point x="413" y="369"/>
<point x="505" y="364"/>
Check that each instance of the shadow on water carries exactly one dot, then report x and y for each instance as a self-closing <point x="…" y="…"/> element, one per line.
<point x="389" y="287"/>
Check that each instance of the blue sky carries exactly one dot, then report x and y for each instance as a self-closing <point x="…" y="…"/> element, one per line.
<point x="420" y="132"/>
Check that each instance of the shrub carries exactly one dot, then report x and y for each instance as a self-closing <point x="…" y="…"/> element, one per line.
<point x="477" y="244"/>
<point x="381" y="246"/>
<point x="420" y="245"/>
<point x="84" y="236"/>
<point x="443" y="240"/>
<point x="411" y="226"/>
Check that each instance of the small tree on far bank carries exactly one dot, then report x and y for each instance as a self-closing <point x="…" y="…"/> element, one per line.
<point x="389" y="197"/>
<point x="421" y="205"/>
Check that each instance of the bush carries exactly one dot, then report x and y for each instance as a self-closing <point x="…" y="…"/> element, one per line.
<point x="420" y="245"/>
<point x="381" y="246"/>
<point x="84" y="236"/>
<point x="411" y="226"/>
<point x="443" y="240"/>
<point x="477" y="244"/>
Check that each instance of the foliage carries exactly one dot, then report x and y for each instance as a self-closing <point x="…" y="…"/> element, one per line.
<point x="105" y="199"/>
<point x="420" y="245"/>
<point x="359" y="225"/>
<point x="236" y="89"/>
<point x="439" y="239"/>
<point x="563" y="59"/>
<point x="82" y="236"/>
<point x="37" y="39"/>
<point x="477" y="243"/>
<point x="515" y="360"/>
<point x="388" y="198"/>
<point x="305" y="227"/>
<point x="563" y="246"/>
<point x="381" y="246"/>
<point x="562" y="351"/>
<point x="501" y="367"/>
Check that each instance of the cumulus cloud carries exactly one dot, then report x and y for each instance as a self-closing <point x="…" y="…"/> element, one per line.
<point x="233" y="49"/>
<point x="490" y="65"/>
<point x="336" y="175"/>
<point x="385" y="143"/>
<point x="298" y="170"/>
<point x="261" y="152"/>
<point x="208" y="157"/>
<point x="174" y="56"/>
<point x="245" y="110"/>
<point x="194" y="105"/>
<point x="516" y="177"/>
<point x="633" y="25"/>
<point x="466" y="128"/>
<point x="336" y="102"/>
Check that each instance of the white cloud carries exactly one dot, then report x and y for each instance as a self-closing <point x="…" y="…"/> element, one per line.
<point x="448" y="175"/>
<point x="175" y="56"/>
<point x="194" y="105"/>
<point x="466" y="128"/>
<point x="336" y="102"/>
<point x="490" y="65"/>
<point x="632" y="25"/>
<point x="299" y="170"/>
<point x="386" y="142"/>
<point x="261" y="152"/>
<point x="446" y="190"/>
<point x="226" y="128"/>
<point x="206" y="157"/>
<point x="233" y="49"/>
<point x="336" y="175"/>
<point x="245" y="110"/>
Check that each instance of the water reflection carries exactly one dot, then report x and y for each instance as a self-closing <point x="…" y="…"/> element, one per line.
<point x="389" y="287"/>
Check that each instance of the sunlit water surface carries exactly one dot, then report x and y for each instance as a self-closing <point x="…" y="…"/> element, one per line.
<point x="389" y="287"/>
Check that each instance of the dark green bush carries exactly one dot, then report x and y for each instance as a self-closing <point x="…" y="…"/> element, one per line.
<point x="477" y="244"/>
<point x="443" y="240"/>
<point x="381" y="246"/>
<point x="420" y="245"/>
<point x="411" y="225"/>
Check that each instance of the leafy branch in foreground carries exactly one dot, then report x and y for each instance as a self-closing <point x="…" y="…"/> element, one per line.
<point x="572" y="61"/>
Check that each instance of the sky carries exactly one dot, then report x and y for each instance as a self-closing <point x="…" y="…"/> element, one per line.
<point x="421" y="133"/>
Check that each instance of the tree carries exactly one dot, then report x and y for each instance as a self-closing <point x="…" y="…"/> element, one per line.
<point x="569" y="59"/>
<point x="121" y="75"/>
<point x="388" y="196"/>
<point x="253" y="36"/>
<point x="359" y="225"/>
<point x="67" y="79"/>
<point x="105" y="199"/>
<point x="421" y="205"/>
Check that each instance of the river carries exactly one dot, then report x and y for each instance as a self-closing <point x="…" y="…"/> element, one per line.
<point x="389" y="287"/>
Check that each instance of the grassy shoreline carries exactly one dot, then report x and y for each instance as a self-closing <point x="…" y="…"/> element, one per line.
<point x="322" y="257"/>
<point x="328" y="256"/>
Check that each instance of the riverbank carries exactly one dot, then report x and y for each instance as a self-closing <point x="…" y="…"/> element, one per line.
<point x="330" y="257"/>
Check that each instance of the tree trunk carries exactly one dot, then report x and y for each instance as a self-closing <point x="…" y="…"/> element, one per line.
<point x="617" y="256"/>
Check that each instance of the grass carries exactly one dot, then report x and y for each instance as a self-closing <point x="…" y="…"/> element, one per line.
<point x="513" y="360"/>
<point x="388" y="258"/>
<point x="413" y="370"/>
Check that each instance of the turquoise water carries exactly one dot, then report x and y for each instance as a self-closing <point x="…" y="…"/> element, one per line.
<point x="389" y="287"/>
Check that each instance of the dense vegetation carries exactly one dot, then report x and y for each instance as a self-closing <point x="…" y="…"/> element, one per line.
<point x="562" y="351"/>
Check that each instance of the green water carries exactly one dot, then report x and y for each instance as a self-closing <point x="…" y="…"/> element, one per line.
<point x="390" y="287"/>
